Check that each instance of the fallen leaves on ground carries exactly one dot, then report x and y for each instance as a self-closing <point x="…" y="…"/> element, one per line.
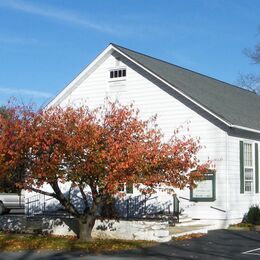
<point x="12" y="242"/>
<point x="190" y="236"/>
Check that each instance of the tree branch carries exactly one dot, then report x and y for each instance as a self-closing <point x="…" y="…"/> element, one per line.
<point x="63" y="200"/>
<point x="84" y="197"/>
<point x="51" y="194"/>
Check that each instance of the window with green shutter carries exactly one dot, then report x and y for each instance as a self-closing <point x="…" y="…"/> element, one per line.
<point x="242" y="185"/>
<point x="249" y="167"/>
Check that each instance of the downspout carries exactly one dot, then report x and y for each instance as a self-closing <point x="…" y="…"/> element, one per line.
<point x="227" y="177"/>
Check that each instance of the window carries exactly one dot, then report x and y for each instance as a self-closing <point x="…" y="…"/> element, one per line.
<point x="248" y="167"/>
<point x="205" y="189"/>
<point x="121" y="187"/>
<point x="117" y="73"/>
<point x="127" y="188"/>
<point x="117" y="82"/>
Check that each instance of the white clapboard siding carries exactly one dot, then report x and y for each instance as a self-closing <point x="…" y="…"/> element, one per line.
<point x="151" y="99"/>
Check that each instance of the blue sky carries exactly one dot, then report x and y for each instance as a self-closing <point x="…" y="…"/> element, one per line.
<point x="45" y="44"/>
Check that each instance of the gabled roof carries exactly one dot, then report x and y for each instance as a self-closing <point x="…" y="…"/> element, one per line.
<point x="233" y="106"/>
<point x="237" y="107"/>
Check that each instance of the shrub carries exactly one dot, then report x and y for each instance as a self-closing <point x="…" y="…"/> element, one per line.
<point x="253" y="215"/>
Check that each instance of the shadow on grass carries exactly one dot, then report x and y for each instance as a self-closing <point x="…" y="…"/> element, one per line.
<point x="14" y="243"/>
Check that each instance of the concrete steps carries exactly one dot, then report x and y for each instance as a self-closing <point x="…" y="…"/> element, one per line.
<point x="187" y="230"/>
<point x="188" y="222"/>
<point x="187" y="226"/>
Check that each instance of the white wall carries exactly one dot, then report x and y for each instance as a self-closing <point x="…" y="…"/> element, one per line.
<point x="133" y="230"/>
<point x="151" y="100"/>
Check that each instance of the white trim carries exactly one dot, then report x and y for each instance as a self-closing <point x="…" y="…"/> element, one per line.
<point x="76" y="81"/>
<point x="245" y="128"/>
<point x="251" y="252"/>
<point x="117" y="67"/>
<point x="249" y="167"/>
<point x="227" y="169"/>
<point x="117" y="79"/>
<point x="73" y="84"/>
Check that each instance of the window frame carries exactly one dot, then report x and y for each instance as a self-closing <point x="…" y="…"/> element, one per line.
<point x="252" y="167"/>
<point x="209" y="176"/>
<point x="127" y="188"/>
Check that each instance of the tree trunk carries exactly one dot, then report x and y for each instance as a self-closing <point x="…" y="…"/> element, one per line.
<point x="85" y="228"/>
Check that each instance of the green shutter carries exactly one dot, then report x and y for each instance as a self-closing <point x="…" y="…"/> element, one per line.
<point x="242" y="180"/>
<point x="256" y="170"/>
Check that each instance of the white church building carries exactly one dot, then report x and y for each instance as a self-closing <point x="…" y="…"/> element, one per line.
<point x="225" y="117"/>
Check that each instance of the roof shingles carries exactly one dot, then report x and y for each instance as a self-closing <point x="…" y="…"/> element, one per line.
<point x="233" y="104"/>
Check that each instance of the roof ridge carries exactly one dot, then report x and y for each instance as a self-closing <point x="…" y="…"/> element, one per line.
<point x="195" y="72"/>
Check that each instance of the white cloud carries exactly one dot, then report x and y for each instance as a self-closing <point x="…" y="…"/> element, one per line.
<point x="57" y="14"/>
<point x="25" y="92"/>
<point x="17" y="40"/>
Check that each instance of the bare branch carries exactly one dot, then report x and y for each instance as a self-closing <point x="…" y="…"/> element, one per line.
<point x="254" y="54"/>
<point x="249" y="81"/>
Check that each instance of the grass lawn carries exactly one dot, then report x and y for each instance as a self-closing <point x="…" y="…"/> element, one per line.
<point x="14" y="242"/>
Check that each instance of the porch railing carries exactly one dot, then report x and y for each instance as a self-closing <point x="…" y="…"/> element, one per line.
<point x="134" y="207"/>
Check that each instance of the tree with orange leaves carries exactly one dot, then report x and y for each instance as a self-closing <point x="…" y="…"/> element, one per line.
<point x="15" y="123"/>
<point x="94" y="151"/>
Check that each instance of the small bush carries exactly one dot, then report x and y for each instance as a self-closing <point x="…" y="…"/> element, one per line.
<point x="253" y="215"/>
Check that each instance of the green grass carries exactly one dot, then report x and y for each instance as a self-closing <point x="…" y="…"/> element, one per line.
<point x="12" y="242"/>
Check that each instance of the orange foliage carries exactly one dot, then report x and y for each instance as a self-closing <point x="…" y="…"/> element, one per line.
<point x="98" y="148"/>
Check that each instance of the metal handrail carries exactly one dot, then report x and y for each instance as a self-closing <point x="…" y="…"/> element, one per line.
<point x="187" y="199"/>
<point x="132" y="207"/>
<point x="222" y="210"/>
<point x="176" y="207"/>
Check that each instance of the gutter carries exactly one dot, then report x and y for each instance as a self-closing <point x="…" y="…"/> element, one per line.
<point x="245" y="128"/>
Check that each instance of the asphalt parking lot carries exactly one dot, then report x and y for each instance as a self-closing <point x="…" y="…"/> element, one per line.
<point x="219" y="244"/>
